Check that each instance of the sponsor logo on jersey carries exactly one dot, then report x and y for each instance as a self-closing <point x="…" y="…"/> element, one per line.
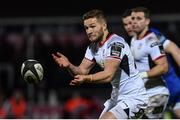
<point x="116" y="44"/>
<point x="155" y="44"/>
<point x="116" y="49"/>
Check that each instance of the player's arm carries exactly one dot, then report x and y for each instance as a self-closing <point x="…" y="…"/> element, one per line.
<point x="171" y="48"/>
<point x="83" y="69"/>
<point x="105" y="76"/>
<point x="158" y="56"/>
<point x="113" y="55"/>
<point x="160" y="68"/>
<point x="63" y="62"/>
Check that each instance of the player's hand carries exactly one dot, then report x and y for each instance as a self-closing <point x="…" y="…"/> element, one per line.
<point x="61" y="60"/>
<point x="78" y="79"/>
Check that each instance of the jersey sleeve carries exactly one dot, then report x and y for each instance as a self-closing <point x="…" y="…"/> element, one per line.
<point x="165" y="44"/>
<point x="163" y="40"/>
<point x="88" y="54"/>
<point x="115" y="49"/>
<point x="155" y="49"/>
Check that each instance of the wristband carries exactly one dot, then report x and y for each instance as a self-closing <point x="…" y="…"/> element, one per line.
<point x="143" y="75"/>
<point x="91" y="78"/>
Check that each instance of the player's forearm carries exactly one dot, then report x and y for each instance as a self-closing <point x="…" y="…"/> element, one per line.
<point x="174" y="50"/>
<point x="74" y="70"/>
<point x="100" y="77"/>
<point x="158" y="70"/>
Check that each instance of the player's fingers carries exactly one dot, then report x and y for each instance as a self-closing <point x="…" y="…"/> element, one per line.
<point x="73" y="82"/>
<point x="76" y="77"/>
<point x="59" y="54"/>
<point x="54" y="57"/>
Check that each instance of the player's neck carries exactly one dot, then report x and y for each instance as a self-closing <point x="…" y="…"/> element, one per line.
<point x="143" y="33"/>
<point x="104" y="38"/>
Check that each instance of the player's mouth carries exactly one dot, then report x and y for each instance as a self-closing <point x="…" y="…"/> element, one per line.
<point x="134" y="28"/>
<point x="129" y="31"/>
<point x="91" y="36"/>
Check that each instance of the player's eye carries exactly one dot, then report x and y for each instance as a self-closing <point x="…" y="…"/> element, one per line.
<point x="93" y="26"/>
<point x="139" y="18"/>
<point x="86" y="27"/>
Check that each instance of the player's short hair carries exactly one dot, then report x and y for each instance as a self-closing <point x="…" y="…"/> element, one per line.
<point x="95" y="13"/>
<point x="126" y="13"/>
<point x="142" y="9"/>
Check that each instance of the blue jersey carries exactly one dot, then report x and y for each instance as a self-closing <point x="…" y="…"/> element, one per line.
<point x="171" y="78"/>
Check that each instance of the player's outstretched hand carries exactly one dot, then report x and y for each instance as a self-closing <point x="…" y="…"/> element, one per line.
<point x="61" y="60"/>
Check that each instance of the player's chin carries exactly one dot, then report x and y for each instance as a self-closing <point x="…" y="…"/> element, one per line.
<point x="131" y="34"/>
<point x="136" y="29"/>
<point x="92" y="39"/>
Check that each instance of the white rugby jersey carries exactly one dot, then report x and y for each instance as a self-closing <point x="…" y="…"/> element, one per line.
<point x="126" y="80"/>
<point x="145" y="51"/>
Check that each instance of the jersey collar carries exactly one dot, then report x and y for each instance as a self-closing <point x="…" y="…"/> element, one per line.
<point x="147" y="32"/>
<point x="107" y="38"/>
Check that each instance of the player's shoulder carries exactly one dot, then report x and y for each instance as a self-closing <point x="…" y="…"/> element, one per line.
<point x="151" y="38"/>
<point x="161" y="37"/>
<point x="155" y="31"/>
<point x="116" y="37"/>
<point x="153" y="41"/>
<point x="116" y="40"/>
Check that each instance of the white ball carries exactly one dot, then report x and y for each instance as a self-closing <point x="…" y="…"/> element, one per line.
<point x="32" y="71"/>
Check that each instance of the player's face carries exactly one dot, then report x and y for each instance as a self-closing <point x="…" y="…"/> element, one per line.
<point x="127" y="22"/>
<point x="94" y="29"/>
<point x="139" y="21"/>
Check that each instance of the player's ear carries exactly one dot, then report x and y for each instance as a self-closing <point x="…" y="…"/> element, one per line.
<point x="104" y="25"/>
<point x="147" y="21"/>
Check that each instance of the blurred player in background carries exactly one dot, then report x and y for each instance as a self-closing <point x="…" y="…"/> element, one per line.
<point x="171" y="77"/>
<point x="113" y="55"/>
<point x="127" y="23"/>
<point x="150" y="60"/>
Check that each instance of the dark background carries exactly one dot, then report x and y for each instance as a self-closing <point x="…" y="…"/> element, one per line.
<point x="36" y="29"/>
<point x="78" y="7"/>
